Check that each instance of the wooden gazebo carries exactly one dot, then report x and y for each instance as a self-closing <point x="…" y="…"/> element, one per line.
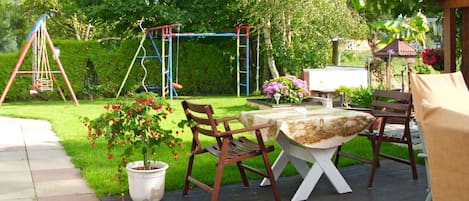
<point x="449" y="35"/>
<point x="398" y="48"/>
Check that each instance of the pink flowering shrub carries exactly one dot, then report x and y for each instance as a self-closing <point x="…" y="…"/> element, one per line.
<point x="291" y="89"/>
<point x="433" y="57"/>
<point x="135" y="126"/>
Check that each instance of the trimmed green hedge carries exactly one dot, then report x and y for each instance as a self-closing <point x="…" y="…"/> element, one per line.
<point x="206" y="66"/>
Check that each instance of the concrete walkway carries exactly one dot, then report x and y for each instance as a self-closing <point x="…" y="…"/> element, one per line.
<point x="34" y="165"/>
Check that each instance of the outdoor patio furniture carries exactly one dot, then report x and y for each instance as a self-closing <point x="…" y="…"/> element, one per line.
<point x="309" y="135"/>
<point x="228" y="149"/>
<point x="447" y="91"/>
<point x="391" y="107"/>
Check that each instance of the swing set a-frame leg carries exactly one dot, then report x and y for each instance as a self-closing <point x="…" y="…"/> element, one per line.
<point x="17" y="67"/>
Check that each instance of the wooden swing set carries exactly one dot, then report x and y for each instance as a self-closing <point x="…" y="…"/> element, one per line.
<point x="43" y="77"/>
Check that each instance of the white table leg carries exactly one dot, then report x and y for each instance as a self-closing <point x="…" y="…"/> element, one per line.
<point x="277" y="167"/>
<point x="308" y="184"/>
<point x="323" y="159"/>
<point x="298" y="156"/>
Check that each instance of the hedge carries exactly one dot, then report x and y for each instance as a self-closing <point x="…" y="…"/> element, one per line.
<point x="206" y="66"/>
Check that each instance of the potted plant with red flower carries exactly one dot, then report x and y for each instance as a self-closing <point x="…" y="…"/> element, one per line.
<point x="434" y="58"/>
<point x="131" y="127"/>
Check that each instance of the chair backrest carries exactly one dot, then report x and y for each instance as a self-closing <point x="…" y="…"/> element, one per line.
<point x="202" y="116"/>
<point x="393" y="102"/>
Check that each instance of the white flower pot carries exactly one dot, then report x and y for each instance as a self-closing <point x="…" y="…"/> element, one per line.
<point x="146" y="185"/>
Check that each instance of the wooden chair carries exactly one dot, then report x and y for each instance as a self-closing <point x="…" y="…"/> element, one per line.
<point x="227" y="148"/>
<point x="391" y="107"/>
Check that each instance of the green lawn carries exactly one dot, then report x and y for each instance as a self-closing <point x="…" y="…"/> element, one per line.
<point x="98" y="170"/>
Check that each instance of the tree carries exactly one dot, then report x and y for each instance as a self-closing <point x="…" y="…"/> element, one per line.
<point x="409" y="29"/>
<point x="392" y="17"/>
<point x="375" y="10"/>
<point x="10" y="22"/>
<point x="7" y="40"/>
<point x="297" y="33"/>
<point x="121" y="16"/>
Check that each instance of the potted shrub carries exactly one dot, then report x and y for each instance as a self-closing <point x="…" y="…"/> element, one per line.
<point x="136" y="126"/>
<point x="285" y="89"/>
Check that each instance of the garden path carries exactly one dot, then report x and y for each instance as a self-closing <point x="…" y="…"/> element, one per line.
<point x="34" y="165"/>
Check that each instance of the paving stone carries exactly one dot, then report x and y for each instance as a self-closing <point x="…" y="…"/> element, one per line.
<point x="56" y="174"/>
<point x="62" y="187"/>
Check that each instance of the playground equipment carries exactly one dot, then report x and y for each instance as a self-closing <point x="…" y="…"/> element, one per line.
<point x="166" y="56"/>
<point x="43" y="77"/>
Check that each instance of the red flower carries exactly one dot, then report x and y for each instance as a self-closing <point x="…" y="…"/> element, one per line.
<point x="106" y="107"/>
<point x="157" y="107"/>
<point x="432" y="56"/>
<point x="148" y="101"/>
<point x="109" y="156"/>
<point x="116" y="107"/>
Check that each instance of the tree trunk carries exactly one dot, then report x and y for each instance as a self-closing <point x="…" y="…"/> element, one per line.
<point x="268" y="45"/>
<point x="286" y="20"/>
<point x="76" y="27"/>
<point x="87" y="33"/>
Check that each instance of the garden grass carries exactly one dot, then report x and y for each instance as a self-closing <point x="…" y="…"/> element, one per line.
<point x="98" y="171"/>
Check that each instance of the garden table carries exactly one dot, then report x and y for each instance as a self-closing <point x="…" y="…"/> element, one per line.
<point x="309" y="134"/>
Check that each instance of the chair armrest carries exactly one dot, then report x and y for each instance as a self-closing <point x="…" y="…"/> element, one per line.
<point x="243" y="130"/>
<point x="226" y="119"/>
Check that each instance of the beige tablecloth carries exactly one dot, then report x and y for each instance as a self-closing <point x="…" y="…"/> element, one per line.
<point x="313" y="127"/>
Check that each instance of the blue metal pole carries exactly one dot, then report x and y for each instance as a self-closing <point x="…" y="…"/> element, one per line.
<point x="153" y="44"/>
<point x="38" y="24"/>
<point x="207" y="34"/>
<point x="247" y="64"/>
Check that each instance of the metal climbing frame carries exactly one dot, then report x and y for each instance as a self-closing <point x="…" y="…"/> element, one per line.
<point x="166" y="57"/>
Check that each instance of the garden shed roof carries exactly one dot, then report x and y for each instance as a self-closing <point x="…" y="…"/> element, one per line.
<point x="398" y="48"/>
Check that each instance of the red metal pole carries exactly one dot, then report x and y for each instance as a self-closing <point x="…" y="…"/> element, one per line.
<point x="57" y="60"/>
<point x="148" y="30"/>
<point x="17" y="67"/>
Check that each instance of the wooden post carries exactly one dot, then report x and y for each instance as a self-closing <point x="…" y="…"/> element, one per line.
<point x="449" y="40"/>
<point x="465" y="44"/>
<point x="335" y="52"/>
<point x="410" y="61"/>
<point x="388" y="72"/>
